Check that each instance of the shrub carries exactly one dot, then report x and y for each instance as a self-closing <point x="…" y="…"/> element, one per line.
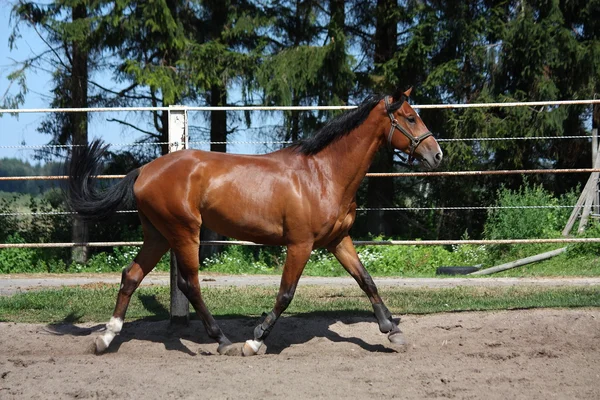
<point x="587" y="249"/>
<point x="23" y="260"/>
<point x="526" y="223"/>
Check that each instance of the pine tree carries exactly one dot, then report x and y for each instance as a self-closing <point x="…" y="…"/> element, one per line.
<point x="306" y="61"/>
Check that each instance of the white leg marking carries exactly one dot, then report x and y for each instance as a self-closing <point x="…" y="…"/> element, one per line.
<point x="254" y="344"/>
<point x="113" y="328"/>
<point x="114" y="325"/>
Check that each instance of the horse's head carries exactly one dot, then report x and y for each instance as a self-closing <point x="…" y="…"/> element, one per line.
<point x="409" y="134"/>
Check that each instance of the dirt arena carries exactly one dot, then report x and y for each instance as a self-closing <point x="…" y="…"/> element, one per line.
<point x="525" y="354"/>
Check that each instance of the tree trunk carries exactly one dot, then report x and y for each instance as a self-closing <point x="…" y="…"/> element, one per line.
<point x="164" y="131"/>
<point x="79" y="92"/>
<point x="339" y="84"/>
<point x="380" y="191"/>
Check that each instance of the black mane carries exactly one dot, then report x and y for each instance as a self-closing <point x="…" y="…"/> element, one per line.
<point x="340" y="126"/>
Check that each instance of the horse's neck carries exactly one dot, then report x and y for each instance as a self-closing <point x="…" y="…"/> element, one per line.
<point x="350" y="157"/>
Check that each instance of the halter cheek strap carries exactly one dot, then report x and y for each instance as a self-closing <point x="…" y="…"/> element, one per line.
<point x="414" y="141"/>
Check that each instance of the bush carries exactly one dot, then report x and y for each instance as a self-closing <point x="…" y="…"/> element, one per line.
<point x="23" y="260"/>
<point x="587" y="249"/>
<point x="526" y="223"/>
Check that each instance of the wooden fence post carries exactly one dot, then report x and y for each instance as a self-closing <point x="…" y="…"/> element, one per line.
<point x="178" y="139"/>
<point x="590" y="196"/>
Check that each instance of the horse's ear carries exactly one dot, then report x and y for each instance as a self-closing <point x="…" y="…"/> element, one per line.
<point x="402" y="96"/>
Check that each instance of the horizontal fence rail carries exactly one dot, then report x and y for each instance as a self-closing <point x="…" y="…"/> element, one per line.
<point x="294" y="108"/>
<point x="206" y="142"/>
<point x="369" y="175"/>
<point x="357" y="243"/>
<point x="360" y="209"/>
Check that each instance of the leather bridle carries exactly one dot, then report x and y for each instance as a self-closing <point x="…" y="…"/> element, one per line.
<point x="414" y="141"/>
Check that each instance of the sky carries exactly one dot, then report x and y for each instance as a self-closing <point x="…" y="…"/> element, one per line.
<point x="21" y="130"/>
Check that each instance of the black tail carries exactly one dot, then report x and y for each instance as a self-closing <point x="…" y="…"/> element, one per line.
<point x="85" y="199"/>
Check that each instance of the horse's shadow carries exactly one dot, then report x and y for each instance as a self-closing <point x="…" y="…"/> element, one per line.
<point x="289" y="330"/>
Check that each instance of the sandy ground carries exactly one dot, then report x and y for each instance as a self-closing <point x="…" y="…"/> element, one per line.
<point x="524" y="354"/>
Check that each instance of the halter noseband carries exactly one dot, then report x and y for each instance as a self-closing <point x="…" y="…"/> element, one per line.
<point x="414" y="141"/>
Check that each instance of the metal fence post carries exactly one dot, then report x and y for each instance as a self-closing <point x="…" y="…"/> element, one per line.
<point x="178" y="139"/>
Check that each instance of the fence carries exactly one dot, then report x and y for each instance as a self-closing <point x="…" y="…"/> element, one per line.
<point x="179" y="139"/>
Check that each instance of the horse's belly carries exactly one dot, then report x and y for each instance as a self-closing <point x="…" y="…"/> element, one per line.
<point x="244" y="225"/>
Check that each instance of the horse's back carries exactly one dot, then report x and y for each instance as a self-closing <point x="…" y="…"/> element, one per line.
<point x="240" y="196"/>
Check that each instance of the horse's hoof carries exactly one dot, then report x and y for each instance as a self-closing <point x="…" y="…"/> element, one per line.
<point x="100" y="345"/>
<point x="386" y="326"/>
<point x="229" y="350"/>
<point x="251" y="347"/>
<point x="397" y="338"/>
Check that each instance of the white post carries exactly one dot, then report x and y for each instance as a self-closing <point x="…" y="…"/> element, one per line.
<point x="180" y="305"/>
<point x="594" y="157"/>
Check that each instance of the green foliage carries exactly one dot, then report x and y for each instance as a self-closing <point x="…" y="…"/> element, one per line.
<point x="25" y="260"/>
<point x="245" y="260"/>
<point x="587" y="249"/>
<point x="528" y="223"/>
<point x="115" y="260"/>
<point x="378" y="260"/>
<point x="16" y="167"/>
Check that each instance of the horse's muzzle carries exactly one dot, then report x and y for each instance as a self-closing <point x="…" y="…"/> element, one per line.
<point x="431" y="159"/>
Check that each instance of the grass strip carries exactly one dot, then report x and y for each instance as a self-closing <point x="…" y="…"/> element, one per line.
<point x="96" y="304"/>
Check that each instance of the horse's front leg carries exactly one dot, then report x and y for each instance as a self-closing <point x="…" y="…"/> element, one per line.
<point x="297" y="256"/>
<point x="345" y="252"/>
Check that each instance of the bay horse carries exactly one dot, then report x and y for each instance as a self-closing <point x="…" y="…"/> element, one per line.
<point x="301" y="197"/>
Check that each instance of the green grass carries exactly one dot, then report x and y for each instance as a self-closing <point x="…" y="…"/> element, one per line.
<point x="96" y="304"/>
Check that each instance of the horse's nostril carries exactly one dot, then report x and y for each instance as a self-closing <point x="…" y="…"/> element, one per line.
<point x="438" y="156"/>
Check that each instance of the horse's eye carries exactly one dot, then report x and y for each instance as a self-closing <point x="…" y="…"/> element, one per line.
<point x="411" y="119"/>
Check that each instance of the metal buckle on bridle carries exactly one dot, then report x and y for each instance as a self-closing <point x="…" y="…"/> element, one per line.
<point x="414" y="141"/>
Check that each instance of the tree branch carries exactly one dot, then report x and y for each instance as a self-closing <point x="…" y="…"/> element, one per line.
<point x="134" y="127"/>
<point x="122" y="93"/>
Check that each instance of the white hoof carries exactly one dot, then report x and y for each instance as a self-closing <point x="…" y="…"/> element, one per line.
<point x="101" y="344"/>
<point x="113" y="328"/>
<point x="251" y="347"/>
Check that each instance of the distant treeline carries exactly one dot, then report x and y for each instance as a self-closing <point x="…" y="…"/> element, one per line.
<point x="16" y="167"/>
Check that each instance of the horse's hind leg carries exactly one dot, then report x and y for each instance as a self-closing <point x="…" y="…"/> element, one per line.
<point x="154" y="247"/>
<point x="346" y="255"/>
<point x="186" y="253"/>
